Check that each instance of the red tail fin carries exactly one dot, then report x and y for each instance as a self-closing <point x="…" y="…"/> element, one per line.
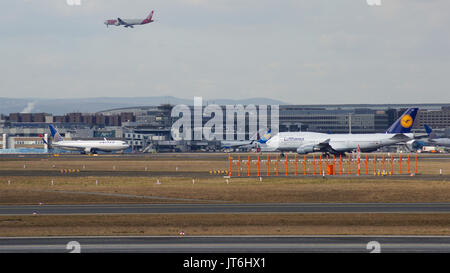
<point x="148" y="19"/>
<point x="150" y="16"/>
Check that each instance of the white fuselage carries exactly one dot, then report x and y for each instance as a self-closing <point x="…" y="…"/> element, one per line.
<point x="91" y="145"/>
<point x="291" y="141"/>
<point x="445" y="142"/>
<point x="133" y="22"/>
<point x="127" y="22"/>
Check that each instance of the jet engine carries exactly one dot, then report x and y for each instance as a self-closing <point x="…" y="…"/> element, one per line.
<point x="414" y="145"/>
<point x="306" y="149"/>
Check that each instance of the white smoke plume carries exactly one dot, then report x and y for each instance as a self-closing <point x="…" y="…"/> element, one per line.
<point x="28" y="108"/>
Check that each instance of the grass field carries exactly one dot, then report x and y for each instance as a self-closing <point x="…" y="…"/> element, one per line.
<point x="26" y="190"/>
<point x="39" y="189"/>
<point x="220" y="162"/>
<point x="427" y="186"/>
<point x="226" y="224"/>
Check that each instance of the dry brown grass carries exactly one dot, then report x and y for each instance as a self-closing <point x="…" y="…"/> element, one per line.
<point x="113" y="165"/>
<point x="32" y="190"/>
<point x="227" y="224"/>
<point x="175" y="163"/>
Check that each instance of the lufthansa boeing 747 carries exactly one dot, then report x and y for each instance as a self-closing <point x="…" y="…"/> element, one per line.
<point x="310" y="142"/>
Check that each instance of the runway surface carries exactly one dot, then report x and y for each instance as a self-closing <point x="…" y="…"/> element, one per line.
<point x="225" y="208"/>
<point x="200" y="174"/>
<point x="232" y="244"/>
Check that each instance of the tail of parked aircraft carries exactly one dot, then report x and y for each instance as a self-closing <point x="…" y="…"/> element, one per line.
<point x="55" y="135"/>
<point x="265" y="137"/>
<point x="43" y="139"/>
<point x="429" y="131"/>
<point x="404" y="124"/>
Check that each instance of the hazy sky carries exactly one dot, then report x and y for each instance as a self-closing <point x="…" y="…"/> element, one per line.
<point x="298" y="51"/>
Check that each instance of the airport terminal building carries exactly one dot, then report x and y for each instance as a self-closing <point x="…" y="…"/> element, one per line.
<point x="148" y="128"/>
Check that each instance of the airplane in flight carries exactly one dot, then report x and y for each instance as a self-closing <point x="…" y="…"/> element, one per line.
<point x="86" y="146"/>
<point x="130" y="22"/>
<point x="338" y="144"/>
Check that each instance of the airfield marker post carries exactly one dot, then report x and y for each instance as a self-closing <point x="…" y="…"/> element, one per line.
<point x="349" y="164"/>
<point x="239" y="165"/>
<point x="278" y="160"/>
<point x="295" y="164"/>
<point x="248" y="166"/>
<point x="328" y="167"/>
<point x="383" y="164"/>
<point x="367" y="163"/>
<point x="399" y="163"/>
<point x="314" y="165"/>
<point x="358" y="166"/>
<point x="416" y="164"/>
<point x="320" y="162"/>
<point x="340" y="164"/>
<point x="229" y="165"/>
<point x="409" y="170"/>
<point x="286" y="165"/>
<point x="374" y="164"/>
<point x="334" y="165"/>
<point x="267" y="164"/>
<point x="392" y="164"/>
<point x="304" y="164"/>
<point x="257" y="164"/>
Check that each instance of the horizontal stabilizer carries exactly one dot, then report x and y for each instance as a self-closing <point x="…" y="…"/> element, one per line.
<point x="400" y="137"/>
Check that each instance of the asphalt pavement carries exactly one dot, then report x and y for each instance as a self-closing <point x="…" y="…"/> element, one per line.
<point x="93" y="209"/>
<point x="224" y="244"/>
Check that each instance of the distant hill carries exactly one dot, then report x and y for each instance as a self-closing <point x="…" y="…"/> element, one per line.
<point x="92" y="105"/>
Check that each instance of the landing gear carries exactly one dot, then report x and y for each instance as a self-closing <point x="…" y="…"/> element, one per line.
<point x="331" y="153"/>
